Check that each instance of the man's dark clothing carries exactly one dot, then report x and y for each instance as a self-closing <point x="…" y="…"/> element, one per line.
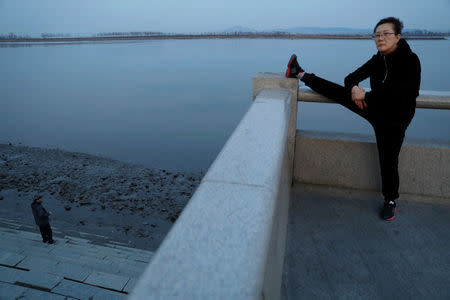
<point x="42" y="220"/>
<point x="391" y="103"/>
<point x="46" y="232"/>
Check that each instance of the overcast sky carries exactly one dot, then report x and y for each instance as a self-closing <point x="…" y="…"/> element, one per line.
<point x="93" y="16"/>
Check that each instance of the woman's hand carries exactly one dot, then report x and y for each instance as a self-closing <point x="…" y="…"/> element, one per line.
<point x="358" y="95"/>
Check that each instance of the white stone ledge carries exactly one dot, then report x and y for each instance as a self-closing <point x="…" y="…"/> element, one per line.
<point x="253" y="152"/>
<point x="217" y="248"/>
<point x="229" y="241"/>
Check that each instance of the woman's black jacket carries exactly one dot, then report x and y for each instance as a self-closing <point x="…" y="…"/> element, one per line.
<point x="394" y="82"/>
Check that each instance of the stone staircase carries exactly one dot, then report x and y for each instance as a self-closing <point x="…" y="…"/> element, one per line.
<point x="72" y="268"/>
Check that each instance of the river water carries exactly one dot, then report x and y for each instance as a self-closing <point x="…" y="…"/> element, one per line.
<point x="172" y="104"/>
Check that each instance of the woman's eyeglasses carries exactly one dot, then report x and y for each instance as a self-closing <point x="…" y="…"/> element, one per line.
<point x="383" y="35"/>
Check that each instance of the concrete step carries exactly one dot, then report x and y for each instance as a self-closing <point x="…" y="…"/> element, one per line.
<point x="75" y="244"/>
<point x="11" y="291"/>
<point x="71" y="268"/>
<point x="61" y="256"/>
<point x="129" y="268"/>
<point x="66" y="247"/>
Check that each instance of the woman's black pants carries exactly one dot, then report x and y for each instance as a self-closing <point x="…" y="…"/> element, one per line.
<point x="389" y="135"/>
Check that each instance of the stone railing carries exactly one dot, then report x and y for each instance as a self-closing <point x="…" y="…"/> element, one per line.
<point x="351" y="160"/>
<point x="229" y="241"/>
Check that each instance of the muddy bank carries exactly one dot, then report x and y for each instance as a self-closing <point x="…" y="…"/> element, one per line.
<point x="125" y="203"/>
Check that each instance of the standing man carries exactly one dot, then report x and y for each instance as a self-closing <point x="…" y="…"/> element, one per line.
<point x="41" y="219"/>
<point x="389" y="107"/>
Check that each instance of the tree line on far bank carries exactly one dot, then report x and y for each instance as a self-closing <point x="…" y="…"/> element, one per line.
<point x="14" y="36"/>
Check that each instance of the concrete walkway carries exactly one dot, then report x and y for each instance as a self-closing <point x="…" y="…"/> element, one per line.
<point x="72" y="268"/>
<point x="338" y="248"/>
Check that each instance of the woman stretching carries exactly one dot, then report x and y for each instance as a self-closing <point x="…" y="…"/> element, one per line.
<point x="390" y="105"/>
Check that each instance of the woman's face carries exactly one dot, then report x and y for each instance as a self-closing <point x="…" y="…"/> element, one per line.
<point x="385" y="38"/>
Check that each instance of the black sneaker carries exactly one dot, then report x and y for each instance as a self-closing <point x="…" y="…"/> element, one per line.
<point x="293" y="68"/>
<point x="389" y="209"/>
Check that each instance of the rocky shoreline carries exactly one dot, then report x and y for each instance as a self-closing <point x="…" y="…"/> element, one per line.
<point x="122" y="202"/>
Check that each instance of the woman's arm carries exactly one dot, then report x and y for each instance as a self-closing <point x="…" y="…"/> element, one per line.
<point x="359" y="74"/>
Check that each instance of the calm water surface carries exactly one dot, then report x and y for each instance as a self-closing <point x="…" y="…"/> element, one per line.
<point x="173" y="103"/>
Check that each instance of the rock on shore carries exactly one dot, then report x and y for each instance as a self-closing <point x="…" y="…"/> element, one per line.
<point x="125" y="202"/>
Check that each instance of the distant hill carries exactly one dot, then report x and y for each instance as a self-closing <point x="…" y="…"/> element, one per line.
<point x="239" y="29"/>
<point x="326" y="30"/>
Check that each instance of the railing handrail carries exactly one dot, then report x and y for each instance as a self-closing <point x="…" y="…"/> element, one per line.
<point x="426" y="99"/>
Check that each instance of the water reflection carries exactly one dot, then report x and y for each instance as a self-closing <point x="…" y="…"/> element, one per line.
<point x="173" y="103"/>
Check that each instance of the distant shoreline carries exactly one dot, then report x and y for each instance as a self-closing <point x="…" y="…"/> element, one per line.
<point x="207" y="36"/>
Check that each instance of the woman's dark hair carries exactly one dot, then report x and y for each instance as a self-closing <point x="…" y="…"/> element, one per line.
<point x="398" y="25"/>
